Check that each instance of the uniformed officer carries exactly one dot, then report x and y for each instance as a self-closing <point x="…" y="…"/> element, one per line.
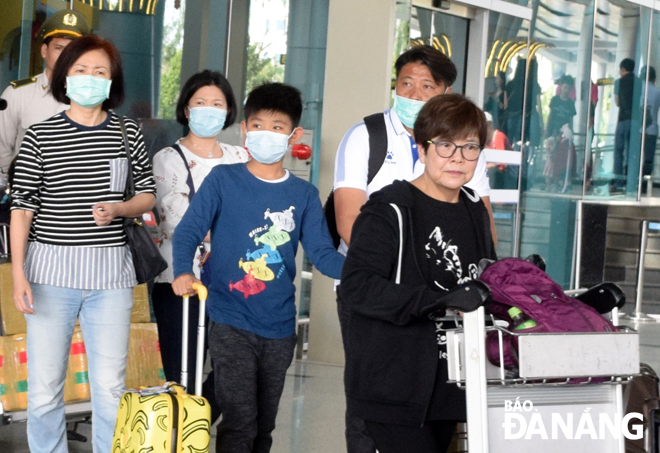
<point x="29" y="100"/>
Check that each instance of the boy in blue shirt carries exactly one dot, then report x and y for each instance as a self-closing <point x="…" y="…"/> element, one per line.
<point x="257" y="213"/>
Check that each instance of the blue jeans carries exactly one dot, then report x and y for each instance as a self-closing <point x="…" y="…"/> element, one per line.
<point x="621" y="143"/>
<point x="105" y="317"/>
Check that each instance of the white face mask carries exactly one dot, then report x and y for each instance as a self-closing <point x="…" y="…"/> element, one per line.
<point x="267" y="147"/>
<point x="407" y="110"/>
<point x="88" y="90"/>
<point x="206" y="122"/>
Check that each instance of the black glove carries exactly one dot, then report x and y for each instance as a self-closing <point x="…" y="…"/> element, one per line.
<point x="466" y="297"/>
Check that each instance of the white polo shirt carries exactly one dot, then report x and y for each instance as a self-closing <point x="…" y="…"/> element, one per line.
<point x="352" y="161"/>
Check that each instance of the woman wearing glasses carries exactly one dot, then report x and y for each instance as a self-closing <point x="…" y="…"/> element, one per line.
<point x="413" y="242"/>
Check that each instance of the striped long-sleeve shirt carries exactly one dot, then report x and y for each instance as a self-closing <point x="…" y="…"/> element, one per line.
<point x="63" y="169"/>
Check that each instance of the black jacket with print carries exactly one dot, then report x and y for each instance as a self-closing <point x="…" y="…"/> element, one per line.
<point x="391" y="348"/>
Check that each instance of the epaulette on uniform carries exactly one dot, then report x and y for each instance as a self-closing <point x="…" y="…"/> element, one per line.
<point x="23" y="82"/>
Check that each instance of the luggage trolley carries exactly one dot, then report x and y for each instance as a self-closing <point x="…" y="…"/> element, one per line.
<point x="567" y="396"/>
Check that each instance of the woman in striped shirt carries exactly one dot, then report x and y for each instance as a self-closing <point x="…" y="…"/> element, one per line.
<point x="70" y="258"/>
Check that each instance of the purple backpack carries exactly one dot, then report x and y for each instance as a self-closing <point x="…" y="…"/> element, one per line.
<point x="517" y="283"/>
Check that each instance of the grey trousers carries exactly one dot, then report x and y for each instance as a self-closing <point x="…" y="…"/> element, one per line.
<point x="249" y="380"/>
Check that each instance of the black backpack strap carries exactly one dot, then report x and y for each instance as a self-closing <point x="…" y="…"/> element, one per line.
<point x="377" y="143"/>
<point x="189" y="180"/>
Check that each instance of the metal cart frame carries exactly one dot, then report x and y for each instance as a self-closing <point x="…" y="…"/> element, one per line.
<point x="565" y="381"/>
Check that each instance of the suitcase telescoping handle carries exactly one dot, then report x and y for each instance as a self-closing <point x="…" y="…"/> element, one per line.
<point x="202" y="292"/>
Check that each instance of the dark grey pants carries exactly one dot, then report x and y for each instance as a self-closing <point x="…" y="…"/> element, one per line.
<point x="358" y="439"/>
<point x="249" y="379"/>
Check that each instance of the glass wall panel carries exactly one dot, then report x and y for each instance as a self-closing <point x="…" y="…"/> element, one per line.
<point x="620" y="56"/>
<point x="558" y="95"/>
<point x="650" y="165"/>
<point x="445" y="32"/>
<point x="267" y="48"/>
<point x="401" y="32"/>
<point x="507" y="44"/>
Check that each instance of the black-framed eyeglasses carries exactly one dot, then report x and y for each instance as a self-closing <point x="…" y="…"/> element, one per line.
<point x="445" y="148"/>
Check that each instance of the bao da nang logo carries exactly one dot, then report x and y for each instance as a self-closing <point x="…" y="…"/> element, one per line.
<point x="522" y="421"/>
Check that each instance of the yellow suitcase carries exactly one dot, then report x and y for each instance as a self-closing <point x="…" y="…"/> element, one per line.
<point x="166" y="419"/>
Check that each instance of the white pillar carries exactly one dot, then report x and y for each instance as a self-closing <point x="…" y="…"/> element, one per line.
<point x="357" y="83"/>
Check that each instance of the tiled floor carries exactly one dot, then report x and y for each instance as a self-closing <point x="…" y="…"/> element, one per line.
<point x="312" y="408"/>
<point x="310" y="420"/>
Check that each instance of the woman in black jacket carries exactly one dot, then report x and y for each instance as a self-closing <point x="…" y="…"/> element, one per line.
<point x="412" y="243"/>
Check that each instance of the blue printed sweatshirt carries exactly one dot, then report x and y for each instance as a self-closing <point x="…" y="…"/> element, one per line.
<point x="256" y="226"/>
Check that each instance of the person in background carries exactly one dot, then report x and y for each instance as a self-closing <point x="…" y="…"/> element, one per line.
<point x="558" y="76"/>
<point x="624" y="93"/>
<point x="501" y="175"/>
<point x="206" y="105"/>
<point x="651" y="132"/>
<point x="258" y="213"/>
<point x="70" y="259"/>
<point x="422" y="72"/>
<point x="29" y="100"/>
<point x="523" y="94"/>
<point x="497" y="103"/>
<point x="412" y="244"/>
<point x="562" y="107"/>
<point x="496" y="139"/>
<point x="560" y="162"/>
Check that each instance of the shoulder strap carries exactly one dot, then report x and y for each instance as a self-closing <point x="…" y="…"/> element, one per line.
<point x="22" y="82"/>
<point x="129" y="191"/>
<point x="189" y="180"/>
<point x="377" y="131"/>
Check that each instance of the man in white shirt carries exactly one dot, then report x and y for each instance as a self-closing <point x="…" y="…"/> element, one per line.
<point x="422" y="73"/>
<point x="29" y="100"/>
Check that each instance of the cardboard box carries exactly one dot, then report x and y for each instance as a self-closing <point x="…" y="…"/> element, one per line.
<point x="13" y="372"/>
<point x="141" y="311"/>
<point x="144" y="367"/>
<point x="12" y="319"/>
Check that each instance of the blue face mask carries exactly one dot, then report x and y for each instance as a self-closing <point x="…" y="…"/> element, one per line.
<point x="407" y="110"/>
<point x="267" y="147"/>
<point x="88" y="90"/>
<point x="206" y="122"/>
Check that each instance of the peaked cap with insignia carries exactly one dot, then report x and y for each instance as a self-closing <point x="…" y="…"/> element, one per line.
<point x="65" y="24"/>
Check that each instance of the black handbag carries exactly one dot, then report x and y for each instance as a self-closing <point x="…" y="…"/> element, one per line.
<point x="147" y="260"/>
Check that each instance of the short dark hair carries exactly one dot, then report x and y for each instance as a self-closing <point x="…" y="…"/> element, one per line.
<point x="441" y="67"/>
<point x="275" y="97"/>
<point x="566" y="79"/>
<point x="72" y="53"/>
<point x="650" y="71"/>
<point x="204" y="79"/>
<point x="449" y="116"/>
<point x="48" y="40"/>
<point x="628" y="64"/>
